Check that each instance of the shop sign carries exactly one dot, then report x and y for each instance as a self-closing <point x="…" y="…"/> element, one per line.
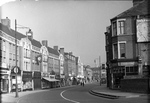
<point x="3" y="65"/>
<point x="37" y="74"/>
<point x="4" y="77"/>
<point x="27" y="74"/>
<point x="52" y="76"/>
<point x="4" y="71"/>
<point x="126" y="64"/>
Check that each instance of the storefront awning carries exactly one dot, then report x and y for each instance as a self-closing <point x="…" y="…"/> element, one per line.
<point x="50" y="80"/>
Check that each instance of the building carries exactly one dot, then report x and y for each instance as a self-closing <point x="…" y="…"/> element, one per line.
<point x="70" y="67"/>
<point x="130" y="47"/>
<point x="80" y="73"/>
<point x="109" y="54"/>
<point x="96" y="73"/>
<point x="35" y="60"/>
<point x="62" y="70"/>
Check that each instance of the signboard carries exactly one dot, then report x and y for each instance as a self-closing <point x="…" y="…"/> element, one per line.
<point x="143" y="31"/>
<point x="52" y="76"/>
<point x="15" y="70"/>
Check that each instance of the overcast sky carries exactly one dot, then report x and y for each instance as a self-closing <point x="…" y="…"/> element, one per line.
<point x="78" y="26"/>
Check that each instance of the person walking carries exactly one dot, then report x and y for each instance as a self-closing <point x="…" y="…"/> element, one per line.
<point x="83" y="83"/>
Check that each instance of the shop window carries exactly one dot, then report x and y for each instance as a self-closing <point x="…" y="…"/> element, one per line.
<point x="131" y="69"/>
<point x="136" y="69"/>
<point x="127" y="69"/>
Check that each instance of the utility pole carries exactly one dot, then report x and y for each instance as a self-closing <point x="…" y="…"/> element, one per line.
<point x="100" y="69"/>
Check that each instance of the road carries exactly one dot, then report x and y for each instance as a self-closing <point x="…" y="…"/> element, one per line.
<point x="75" y="94"/>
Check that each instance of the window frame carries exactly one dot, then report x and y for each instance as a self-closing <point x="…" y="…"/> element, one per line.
<point x="119" y="55"/>
<point x="114" y="28"/>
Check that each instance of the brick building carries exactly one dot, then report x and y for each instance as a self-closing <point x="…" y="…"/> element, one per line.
<point x="128" y="45"/>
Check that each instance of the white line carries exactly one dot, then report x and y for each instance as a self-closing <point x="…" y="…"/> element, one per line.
<point x="66" y="98"/>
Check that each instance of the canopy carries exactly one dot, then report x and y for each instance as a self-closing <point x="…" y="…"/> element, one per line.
<point x="50" y="80"/>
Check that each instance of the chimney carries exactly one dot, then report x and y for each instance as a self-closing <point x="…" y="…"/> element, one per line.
<point x="45" y="42"/>
<point x="6" y="22"/>
<point x="29" y="34"/>
<point x="70" y="53"/>
<point x="135" y="2"/>
<point x="55" y="48"/>
<point x="62" y="51"/>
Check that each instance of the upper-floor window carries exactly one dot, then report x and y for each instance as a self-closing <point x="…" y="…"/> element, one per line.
<point x="115" y="51"/>
<point x="114" y="28"/>
<point x="122" y="50"/>
<point x="4" y="45"/>
<point x="121" y="27"/>
<point x="119" y="50"/>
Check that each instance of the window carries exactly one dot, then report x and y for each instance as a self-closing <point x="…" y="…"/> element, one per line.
<point x="132" y="70"/>
<point x="122" y="50"/>
<point x="115" y="51"/>
<point x="121" y="27"/>
<point x="114" y="28"/>
<point x="4" y="45"/>
<point x="127" y="69"/>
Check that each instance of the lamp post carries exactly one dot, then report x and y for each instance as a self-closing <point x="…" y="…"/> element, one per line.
<point x="16" y="67"/>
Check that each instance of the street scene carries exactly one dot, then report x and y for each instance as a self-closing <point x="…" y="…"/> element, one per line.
<point x="75" y="51"/>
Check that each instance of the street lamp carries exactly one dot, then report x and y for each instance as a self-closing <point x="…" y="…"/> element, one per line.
<point x="16" y="51"/>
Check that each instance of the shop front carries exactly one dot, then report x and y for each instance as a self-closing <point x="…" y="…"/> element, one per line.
<point x="123" y="70"/>
<point x="27" y="80"/>
<point x="45" y="83"/>
<point x="49" y="81"/>
<point x="37" y="80"/>
<point x="4" y="75"/>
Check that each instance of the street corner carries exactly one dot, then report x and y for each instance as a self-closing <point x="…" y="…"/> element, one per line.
<point x="103" y="94"/>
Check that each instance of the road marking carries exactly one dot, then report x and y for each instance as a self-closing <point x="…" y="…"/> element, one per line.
<point x="66" y="98"/>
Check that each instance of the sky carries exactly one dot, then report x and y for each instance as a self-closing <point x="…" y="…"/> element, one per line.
<point x="77" y="26"/>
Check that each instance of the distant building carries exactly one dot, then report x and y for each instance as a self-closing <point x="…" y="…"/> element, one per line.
<point x="70" y="64"/>
<point x="95" y="73"/>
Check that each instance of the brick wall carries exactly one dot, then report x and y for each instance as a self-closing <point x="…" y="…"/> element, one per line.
<point x="139" y="85"/>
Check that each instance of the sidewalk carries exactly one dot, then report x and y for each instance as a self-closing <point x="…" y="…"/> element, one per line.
<point x="103" y="91"/>
<point x="10" y="97"/>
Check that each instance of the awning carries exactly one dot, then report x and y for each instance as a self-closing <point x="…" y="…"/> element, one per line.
<point x="50" y="80"/>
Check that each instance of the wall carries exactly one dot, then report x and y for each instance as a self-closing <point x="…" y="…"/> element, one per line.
<point x="140" y="85"/>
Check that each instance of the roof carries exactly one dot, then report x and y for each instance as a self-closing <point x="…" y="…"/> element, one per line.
<point x="51" y="50"/>
<point x="11" y="32"/>
<point x="35" y="42"/>
<point x="139" y="9"/>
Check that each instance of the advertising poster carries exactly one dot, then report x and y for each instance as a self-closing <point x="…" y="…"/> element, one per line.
<point x="143" y="30"/>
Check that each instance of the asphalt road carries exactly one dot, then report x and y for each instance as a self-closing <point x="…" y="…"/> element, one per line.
<point x="75" y="94"/>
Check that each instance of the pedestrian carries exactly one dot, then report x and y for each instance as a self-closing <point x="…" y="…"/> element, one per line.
<point x="83" y="83"/>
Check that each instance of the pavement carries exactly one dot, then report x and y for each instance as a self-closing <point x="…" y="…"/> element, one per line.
<point x="101" y="91"/>
<point x="105" y="92"/>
